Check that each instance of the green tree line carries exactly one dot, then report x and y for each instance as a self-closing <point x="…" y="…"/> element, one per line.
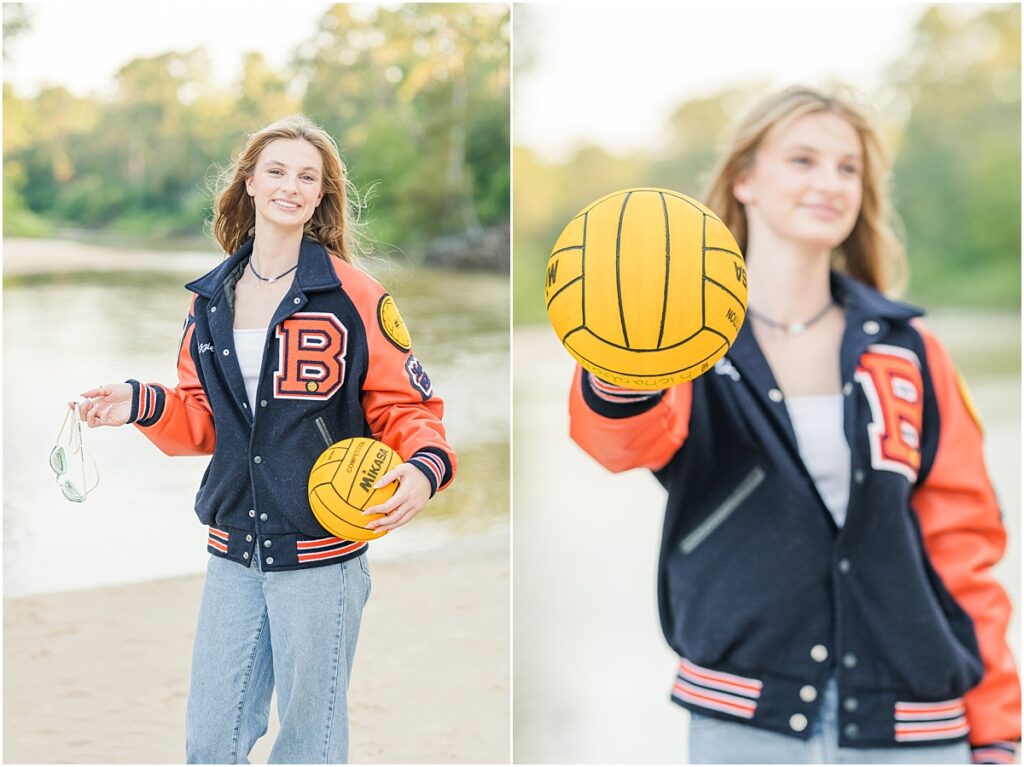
<point x="416" y="96"/>
<point x="951" y="112"/>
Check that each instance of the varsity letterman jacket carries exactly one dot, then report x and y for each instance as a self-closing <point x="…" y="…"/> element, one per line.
<point x="337" y="363"/>
<point x="760" y="593"/>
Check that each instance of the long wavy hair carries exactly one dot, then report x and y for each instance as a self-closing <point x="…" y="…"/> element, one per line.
<point x="872" y="252"/>
<point x="234" y="216"/>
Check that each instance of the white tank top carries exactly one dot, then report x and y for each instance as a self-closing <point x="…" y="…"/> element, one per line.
<point x="249" y="351"/>
<point x="818" y="423"/>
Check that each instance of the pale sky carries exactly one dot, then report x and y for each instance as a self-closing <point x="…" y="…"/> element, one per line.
<point x="611" y="74"/>
<point x="82" y="45"/>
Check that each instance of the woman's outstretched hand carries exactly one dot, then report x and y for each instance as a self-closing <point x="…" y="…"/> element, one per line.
<point x="412" y="493"/>
<point x="108" y="405"/>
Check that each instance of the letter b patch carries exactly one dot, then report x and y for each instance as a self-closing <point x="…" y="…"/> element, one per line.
<point x="311" y="362"/>
<point x="891" y="379"/>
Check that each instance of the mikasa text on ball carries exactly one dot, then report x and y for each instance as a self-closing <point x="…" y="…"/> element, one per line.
<point x="646" y="288"/>
<point x="341" y="486"/>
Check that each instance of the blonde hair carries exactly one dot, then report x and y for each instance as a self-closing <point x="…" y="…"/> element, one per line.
<point x="234" y="217"/>
<point x="872" y="252"/>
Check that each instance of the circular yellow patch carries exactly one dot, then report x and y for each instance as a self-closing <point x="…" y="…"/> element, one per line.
<point x="961" y="384"/>
<point x="312" y="386"/>
<point x="392" y="325"/>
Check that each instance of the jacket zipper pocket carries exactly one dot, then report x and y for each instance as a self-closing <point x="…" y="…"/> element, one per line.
<point x="724" y="510"/>
<point x="326" y="435"/>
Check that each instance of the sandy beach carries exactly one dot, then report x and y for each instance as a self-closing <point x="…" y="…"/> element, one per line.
<point x="101" y="676"/>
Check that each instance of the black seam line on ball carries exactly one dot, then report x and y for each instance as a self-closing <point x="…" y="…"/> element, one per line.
<point x="698" y="363"/>
<point x="602" y="201"/>
<point x="562" y="250"/>
<point x="583" y="272"/>
<point x="721" y="335"/>
<point x="638" y="349"/>
<point x="720" y="285"/>
<point x="725" y="250"/>
<point x="668" y="264"/>
<point x="670" y="193"/>
<point x="574" y="330"/>
<point x="703" y="269"/>
<point x="691" y="203"/>
<point x="618" y="274"/>
<point x="555" y="295"/>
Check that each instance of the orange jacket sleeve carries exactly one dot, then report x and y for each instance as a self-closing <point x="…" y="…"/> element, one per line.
<point x="964" y="536"/>
<point x="399" y="401"/>
<point x="179" y="421"/>
<point x="625" y="429"/>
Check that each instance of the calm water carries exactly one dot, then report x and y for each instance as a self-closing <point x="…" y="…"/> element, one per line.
<point x="66" y="332"/>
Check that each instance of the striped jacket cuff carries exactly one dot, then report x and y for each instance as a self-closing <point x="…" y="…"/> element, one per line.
<point x="435" y="465"/>
<point x="613" y="401"/>
<point x="147" y="403"/>
<point x="1000" y="752"/>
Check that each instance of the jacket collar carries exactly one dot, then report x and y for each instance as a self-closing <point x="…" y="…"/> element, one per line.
<point x="315" y="270"/>
<point x="860" y="302"/>
<point x="866" y="302"/>
<point x="869" y="315"/>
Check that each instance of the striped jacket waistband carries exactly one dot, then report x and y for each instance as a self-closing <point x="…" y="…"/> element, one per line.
<point x="867" y="718"/>
<point x="287" y="551"/>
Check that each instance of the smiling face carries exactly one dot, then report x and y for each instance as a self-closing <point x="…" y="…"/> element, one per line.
<point x="286" y="184"/>
<point x="806" y="185"/>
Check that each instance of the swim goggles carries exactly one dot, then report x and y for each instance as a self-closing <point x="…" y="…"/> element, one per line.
<point x="66" y="449"/>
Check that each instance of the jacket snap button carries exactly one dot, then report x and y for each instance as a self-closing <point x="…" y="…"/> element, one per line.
<point x="263" y="517"/>
<point x="851" y="731"/>
<point x="226" y="352"/>
<point x="775" y="395"/>
<point x="252" y="512"/>
<point x="858" y="476"/>
<point x="213" y="308"/>
<point x="270" y="560"/>
<point x="808" y="694"/>
<point x="248" y="538"/>
<point x="850" y="660"/>
<point x="798" y="722"/>
<point x="844" y="566"/>
<point x="871" y="327"/>
<point x="257" y="459"/>
<point x="245" y="555"/>
<point x="847" y="388"/>
<point x="266" y="544"/>
<point x="819" y="653"/>
<point x="263" y="403"/>
<point x="297" y="301"/>
<point x="851" y="704"/>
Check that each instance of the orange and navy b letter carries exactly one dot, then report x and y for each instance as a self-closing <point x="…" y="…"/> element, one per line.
<point x="311" y="361"/>
<point x="891" y="379"/>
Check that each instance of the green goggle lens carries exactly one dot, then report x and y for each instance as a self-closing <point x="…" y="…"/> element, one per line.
<point x="59" y="460"/>
<point x="71" y="491"/>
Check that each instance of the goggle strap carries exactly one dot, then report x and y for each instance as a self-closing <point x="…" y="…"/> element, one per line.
<point x="64" y="425"/>
<point x="96" y="471"/>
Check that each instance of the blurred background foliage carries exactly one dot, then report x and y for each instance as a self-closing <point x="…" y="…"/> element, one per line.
<point x="416" y="96"/>
<point x="950" y="110"/>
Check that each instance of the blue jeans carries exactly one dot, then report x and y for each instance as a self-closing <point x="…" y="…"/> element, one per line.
<point x="295" y="629"/>
<point x="717" y="741"/>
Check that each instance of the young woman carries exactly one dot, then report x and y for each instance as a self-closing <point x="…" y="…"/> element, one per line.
<point x="286" y="340"/>
<point x="824" y="571"/>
